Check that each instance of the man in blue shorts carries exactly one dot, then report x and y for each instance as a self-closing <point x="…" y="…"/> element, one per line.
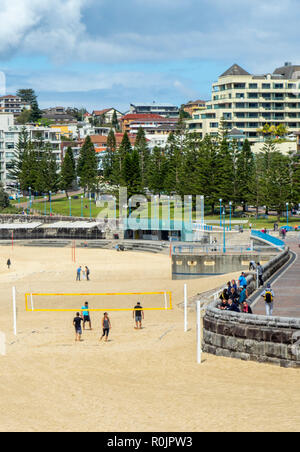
<point x="77" y="324"/>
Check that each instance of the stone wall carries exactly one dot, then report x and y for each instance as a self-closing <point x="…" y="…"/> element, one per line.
<point x="264" y="339"/>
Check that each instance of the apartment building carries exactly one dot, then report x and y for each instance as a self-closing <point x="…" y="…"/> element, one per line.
<point x="165" y="110"/>
<point x="9" y="137"/>
<point x="247" y="102"/>
<point x="12" y="104"/>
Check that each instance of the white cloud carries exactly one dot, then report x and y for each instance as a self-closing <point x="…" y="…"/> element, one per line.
<point x="252" y="31"/>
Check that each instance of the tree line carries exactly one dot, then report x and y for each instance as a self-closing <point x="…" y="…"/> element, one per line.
<point x="216" y="167"/>
<point x="35" y="167"/>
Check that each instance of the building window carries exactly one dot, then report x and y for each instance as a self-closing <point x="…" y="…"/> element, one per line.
<point x="266" y="86"/>
<point x="278" y="85"/>
<point x="214" y="125"/>
<point x="252" y="85"/>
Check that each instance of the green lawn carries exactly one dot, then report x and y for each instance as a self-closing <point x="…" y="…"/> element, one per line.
<point x="62" y="207"/>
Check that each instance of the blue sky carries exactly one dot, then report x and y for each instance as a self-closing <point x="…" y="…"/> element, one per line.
<point x="99" y="53"/>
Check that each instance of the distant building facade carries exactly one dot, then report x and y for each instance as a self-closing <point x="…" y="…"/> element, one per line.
<point x="13" y="104"/>
<point x="9" y="137"/>
<point x="248" y="102"/>
<point x="165" y="110"/>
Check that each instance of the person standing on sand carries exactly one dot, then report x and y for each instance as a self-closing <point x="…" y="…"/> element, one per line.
<point x="138" y="313"/>
<point x="106" y="326"/>
<point x="78" y="274"/>
<point x="86" y="315"/>
<point x="8" y="263"/>
<point x="77" y="324"/>
<point x="87" y="272"/>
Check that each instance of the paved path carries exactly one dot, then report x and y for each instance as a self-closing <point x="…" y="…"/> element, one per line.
<point x="286" y="289"/>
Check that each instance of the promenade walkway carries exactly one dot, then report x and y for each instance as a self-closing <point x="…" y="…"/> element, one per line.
<point x="286" y="288"/>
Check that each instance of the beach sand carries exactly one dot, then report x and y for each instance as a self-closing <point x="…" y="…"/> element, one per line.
<point x="145" y="380"/>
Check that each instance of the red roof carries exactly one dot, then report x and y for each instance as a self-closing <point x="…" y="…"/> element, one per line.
<point x="9" y="96"/>
<point x="101" y="112"/>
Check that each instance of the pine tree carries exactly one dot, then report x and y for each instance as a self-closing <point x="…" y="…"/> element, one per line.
<point x="141" y="147"/>
<point x="156" y="172"/>
<point x="87" y="167"/>
<point x="109" y="158"/>
<point x="35" y="113"/>
<point x="29" y="169"/>
<point x="4" y="198"/>
<point x="125" y="148"/>
<point x="16" y="163"/>
<point x="114" y="121"/>
<point x="68" y="171"/>
<point x="245" y="174"/>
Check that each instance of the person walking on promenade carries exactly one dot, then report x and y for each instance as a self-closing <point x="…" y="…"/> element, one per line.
<point x="78" y="274"/>
<point x="268" y="296"/>
<point x="243" y="280"/>
<point x="260" y="272"/>
<point x="8" y="263"/>
<point x="106" y="326"/>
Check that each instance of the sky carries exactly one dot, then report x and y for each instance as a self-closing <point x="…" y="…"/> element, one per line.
<point x="98" y="53"/>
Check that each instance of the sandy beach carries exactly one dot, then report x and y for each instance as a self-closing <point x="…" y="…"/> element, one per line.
<point x="145" y="380"/>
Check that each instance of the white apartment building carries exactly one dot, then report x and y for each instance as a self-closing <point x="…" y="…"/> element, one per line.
<point x="9" y="137"/>
<point x="247" y="102"/>
<point x="12" y="104"/>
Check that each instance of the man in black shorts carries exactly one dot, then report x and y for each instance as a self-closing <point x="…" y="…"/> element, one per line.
<point x="86" y="315"/>
<point x="138" y="313"/>
<point x="77" y="324"/>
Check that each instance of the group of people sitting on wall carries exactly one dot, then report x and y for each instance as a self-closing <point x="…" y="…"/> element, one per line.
<point x="234" y="296"/>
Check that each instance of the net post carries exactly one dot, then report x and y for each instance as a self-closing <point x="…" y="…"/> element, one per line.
<point x="166" y="300"/>
<point x="31" y="299"/>
<point x="2" y="344"/>
<point x="199" y="340"/>
<point x="14" y="310"/>
<point x="185" y="309"/>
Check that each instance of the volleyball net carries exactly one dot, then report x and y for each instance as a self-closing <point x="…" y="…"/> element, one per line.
<point x="97" y="302"/>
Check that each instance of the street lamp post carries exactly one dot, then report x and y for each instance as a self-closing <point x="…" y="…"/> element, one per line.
<point x="45" y="205"/>
<point x="287" y="213"/>
<point x="230" y="206"/>
<point x="90" y="207"/>
<point x="220" y="212"/>
<point x="50" y="202"/>
<point x="224" y="236"/>
<point x="70" y="205"/>
<point x="29" y="197"/>
<point x="82" y="206"/>
<point x="28" y="209"/>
